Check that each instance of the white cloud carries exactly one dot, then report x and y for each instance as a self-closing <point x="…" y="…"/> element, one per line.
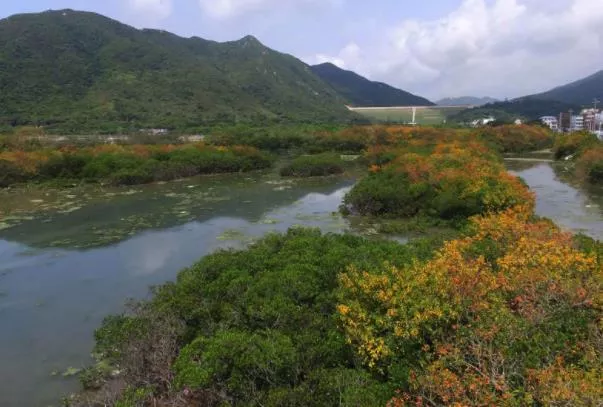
<point x="349" y="55"/>
<point x="156" y="9"/>
<point x="502" y="48"/>
<point x="225" y="9"/>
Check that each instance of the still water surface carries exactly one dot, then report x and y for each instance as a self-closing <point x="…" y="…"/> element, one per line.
<point x="63" y="270"/>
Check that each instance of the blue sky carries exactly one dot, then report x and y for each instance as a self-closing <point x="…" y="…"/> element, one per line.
<point x="437" y="48"/>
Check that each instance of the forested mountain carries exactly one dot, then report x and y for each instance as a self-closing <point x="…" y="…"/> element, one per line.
<point x="362" y="92"/>
<point x="581" y="92"/>
<point x="466" y="101"/>
<point x="574" y="96"/>
<point x="527" y="108"/>
<point x="75" y="71"/>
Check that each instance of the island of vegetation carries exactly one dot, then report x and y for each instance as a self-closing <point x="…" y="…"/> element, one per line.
<point x="507" y="311"/>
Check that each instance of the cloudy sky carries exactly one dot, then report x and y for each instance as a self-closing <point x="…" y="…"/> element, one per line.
<point x="436" y="48"/>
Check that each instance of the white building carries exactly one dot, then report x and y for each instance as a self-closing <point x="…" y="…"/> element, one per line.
<point x="599" y="125"/>
<point x="577" y="123"/>
<point x="483" y="122"/>
<point x="550" y="121"/>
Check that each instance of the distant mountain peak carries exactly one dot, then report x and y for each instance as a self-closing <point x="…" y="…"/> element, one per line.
<point x="250" y="40"/>
<point x="328" y="64"/>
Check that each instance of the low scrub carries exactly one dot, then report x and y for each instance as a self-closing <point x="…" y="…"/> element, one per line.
<point x="351" y="140"/>
<point x="127" y="165"/>
<point x="505" y="315"/>
<point x="589" y="164"/>
<point x="253" y="327"/>
<point x="508" y="315"/>
<point x="586" y="151"/>
<point x="516" y="138"/>
<point x="314" y="166"/>
<point x="574" y="144"/>
<point x="447" y="181"/>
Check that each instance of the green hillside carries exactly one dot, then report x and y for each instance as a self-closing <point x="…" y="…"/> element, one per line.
<point x="526" y="108"/>
<point x="75" y="71"/>
<point x="581" y="92"/>
<point x="360" y="91"/>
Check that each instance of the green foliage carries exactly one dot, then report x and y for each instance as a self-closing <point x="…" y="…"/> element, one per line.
<point x="388" y="193"/>
<point x="332" y="387"/>
<point x="110" y="78"/>
<point x="127" y="165"/>
<point x="134" y="397"/>
<point x="573" y="143"/>
<point x="442" y="174"/>
<point x="586" y="151"/>
<point x="307" y="139"/>
<point x="11" y="174"/>
<point x="360" y="91"/>
<point x="240" y="363"/>
<point x="260" y="324"/>
<point x="314" y="166"/>
<point x="516" y="138"/>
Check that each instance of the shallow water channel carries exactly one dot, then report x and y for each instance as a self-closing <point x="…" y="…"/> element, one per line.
<point x="69" y="258"/>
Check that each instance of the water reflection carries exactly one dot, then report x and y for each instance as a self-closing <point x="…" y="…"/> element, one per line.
<point x="110" y="217"/>
<point x="578" y="210"/>
<point x="53" y="294"/>
<point x="52" y="299"/>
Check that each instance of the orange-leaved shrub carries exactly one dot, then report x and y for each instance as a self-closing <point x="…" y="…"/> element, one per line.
<point x="508" y="315"/>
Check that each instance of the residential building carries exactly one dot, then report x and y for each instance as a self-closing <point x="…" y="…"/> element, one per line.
<point x="565" y="122"/>
<point x="577" y="123"/>
<point x="590" y="119"/>
<point x="551" y="122"/>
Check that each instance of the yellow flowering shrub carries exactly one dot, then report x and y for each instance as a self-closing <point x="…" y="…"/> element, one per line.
<point x="501" y="316"/>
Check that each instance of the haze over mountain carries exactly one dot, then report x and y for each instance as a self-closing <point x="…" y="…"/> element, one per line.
<point x="78" y="71"/>
<point x="361" y="92"/>
<point x="466" y="101"/>
<point x="581" y="92"/>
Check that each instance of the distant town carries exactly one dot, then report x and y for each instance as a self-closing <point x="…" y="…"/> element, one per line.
<point x="587" y="120"/>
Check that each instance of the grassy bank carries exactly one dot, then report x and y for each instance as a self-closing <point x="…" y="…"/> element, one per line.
<point x="585" y="151"/>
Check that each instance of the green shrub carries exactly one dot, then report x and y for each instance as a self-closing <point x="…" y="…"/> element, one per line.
<point x="11" y="174"/>
<point x="245" y="363"/>
<point x="128" y="165"/>
<point x="387" y="193"/>
<point x="573" y="143"/>
<point x="260" y="325"/>
<point x="314" y="166"/>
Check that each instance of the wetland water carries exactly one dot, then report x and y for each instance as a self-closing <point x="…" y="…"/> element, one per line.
<point x="64" y="269"/>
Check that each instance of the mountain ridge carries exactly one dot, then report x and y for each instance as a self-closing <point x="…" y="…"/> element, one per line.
<point x="362" y="92"/>
<point x="582" y="91"/>
<point x="74" y="71"/>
